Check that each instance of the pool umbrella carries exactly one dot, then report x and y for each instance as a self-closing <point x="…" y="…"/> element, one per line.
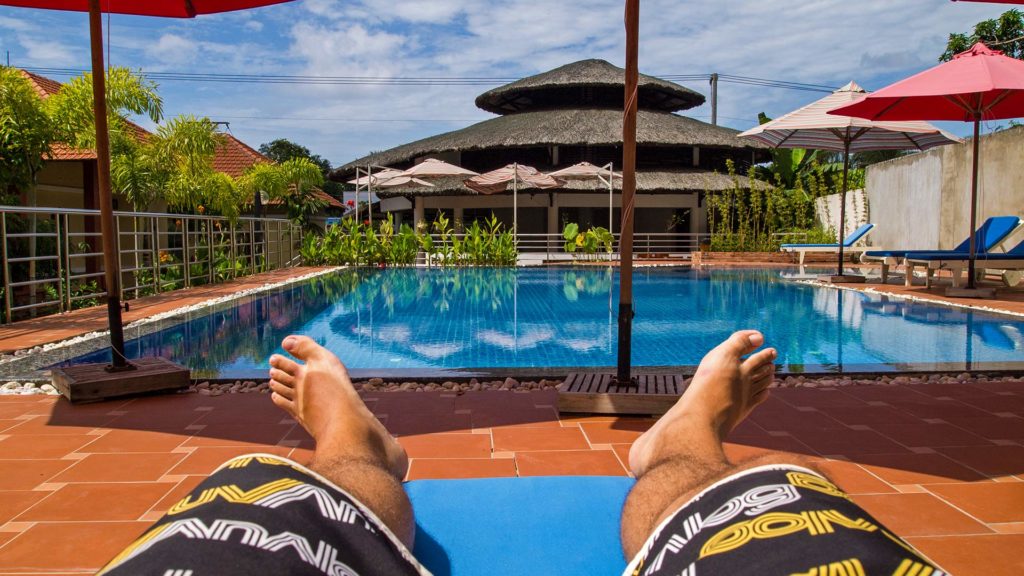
<point x="585" y="170"/>
<point x="498" y="180"/>
<point x="979" y="84"/>
<point x="168" y="8"/>
<point x="813" y="127"/>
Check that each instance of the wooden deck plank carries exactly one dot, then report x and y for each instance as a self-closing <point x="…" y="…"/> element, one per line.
<point x="598" y="393"/>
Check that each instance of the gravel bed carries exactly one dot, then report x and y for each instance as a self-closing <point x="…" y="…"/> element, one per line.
<point x="207" y="388"/>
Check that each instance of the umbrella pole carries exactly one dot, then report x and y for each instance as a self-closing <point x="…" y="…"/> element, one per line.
<point x="111" y="267"/>
<point x="628" y="189"/>
<point x="515" y="202"/>
<point x="974" y="201"/>
<point x="842" y="206"/>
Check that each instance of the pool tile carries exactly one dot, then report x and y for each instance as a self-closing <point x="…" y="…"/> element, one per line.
<point x="35" y="447"/>
<point x="27" y="474"/>
<point x="69" y="546"/>
<point x="989" y="502"/>
<point x="991" y="555"/>
<point x="447" y="445"/>
<point x="85" y="501"/>
<point x="917" y="468"/>
<point x="519" y="439"/>
<point x="918" y="514"/>
<point x="569" y="463"/>
<point x="206" y="459"/>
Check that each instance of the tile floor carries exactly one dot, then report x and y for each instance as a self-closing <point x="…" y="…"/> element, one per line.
<point x="943" y="465"/>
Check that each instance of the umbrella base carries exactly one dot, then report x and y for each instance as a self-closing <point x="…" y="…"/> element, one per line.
<point x="842" y="279"/>
<point x="962" y="292"/>
<point x="93" y="382"/>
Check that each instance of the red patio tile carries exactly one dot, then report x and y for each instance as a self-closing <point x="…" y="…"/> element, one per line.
<point x="989" y="502"/>
<point x="122" y="441"/>
<point x="821" y="398"/>
<point x="14" y="502"/>
<point x="992" y="427"/>
<point x="569" y="463"/>
<point x="621" y="431"/>
<point x="177" y="492"/>
<point x="917" y="468"/>
<point x="852" y="478"/>
<point x="206" y="459"/>
<point x="919" y="515"/>
<point x="139" y="467"/>
<point x="921" y="433"/>
<point x="518" y="439"/>
<point x="438" y="468"/>
<point x="255" y="434"/>
<point x="991" y="555"/>
<point x="37" y="447"/>
<point x="39" y="425"/>
<point x="447" y="445"/>
<point x="90" y="502"/>
<point x="850" y="442"/>
<point x="27" y="474"/>
<point x="990" y="460"/>
<point x="622" y="452"/>
<point x="68" y="546"/>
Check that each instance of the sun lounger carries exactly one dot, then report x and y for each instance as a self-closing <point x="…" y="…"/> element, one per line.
<point x="541" y="525"/>
<point x="848" y="244"/>
<point x="957" y="263"/>
<point x="989" y="236"/>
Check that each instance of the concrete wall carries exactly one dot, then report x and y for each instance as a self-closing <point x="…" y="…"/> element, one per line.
<point x="922" y="200"/>
<point x="857" y="211"/>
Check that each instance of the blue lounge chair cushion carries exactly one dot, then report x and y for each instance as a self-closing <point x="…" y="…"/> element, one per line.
<point x="541" y="525"/>
<point x="989" y="235"/>
<point x="1015" y="253"/>
<point x="848" y="242"/>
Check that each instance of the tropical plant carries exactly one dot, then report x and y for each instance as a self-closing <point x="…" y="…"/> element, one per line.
<point x="26" y="132"/>
<point x="1005" y="33"/>
<point x="587" y="243"/>
<point x="301" y="177"/>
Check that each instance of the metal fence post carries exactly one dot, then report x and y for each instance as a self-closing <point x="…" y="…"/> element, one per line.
<point x="233" y="254"/>
<point x="7" y="269"/>
<point x="252" y="247"/>
<point x="60" y="267"/>
<point x="187" y="272"/>
<point x="154" y="258"/>
<point x="209" y="248"/>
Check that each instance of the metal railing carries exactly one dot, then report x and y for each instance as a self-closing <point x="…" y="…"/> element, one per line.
<point x="52" y="258"/>
<point x="644" y="243"/>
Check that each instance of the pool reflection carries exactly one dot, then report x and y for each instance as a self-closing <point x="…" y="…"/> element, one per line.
<point x="549" y="317"/>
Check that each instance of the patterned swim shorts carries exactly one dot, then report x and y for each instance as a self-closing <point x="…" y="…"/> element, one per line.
<point x="775" y="520"/>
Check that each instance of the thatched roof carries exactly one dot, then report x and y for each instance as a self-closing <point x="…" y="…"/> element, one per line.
<point x="586" y="83"/>
<point x="567" y="127"/>
<point x="647" y="182"/>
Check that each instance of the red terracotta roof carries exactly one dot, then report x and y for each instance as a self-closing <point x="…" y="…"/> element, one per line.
<point x="61" y="151"/>
<point x="234" y="156"/>
<point x="44" y="86"/>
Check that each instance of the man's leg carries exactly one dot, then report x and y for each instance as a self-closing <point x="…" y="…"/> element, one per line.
<point x="353" y="449"/>
<point x="700" y="513"/>
<point x="682" y="453"/>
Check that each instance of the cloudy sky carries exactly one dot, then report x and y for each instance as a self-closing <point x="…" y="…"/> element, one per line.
<point x="827" y="42"/>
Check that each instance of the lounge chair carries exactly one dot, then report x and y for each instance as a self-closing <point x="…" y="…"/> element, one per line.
<point x="989" y="235"/>
<point x="848" y="244"/>
<point x="1013" y="259"/>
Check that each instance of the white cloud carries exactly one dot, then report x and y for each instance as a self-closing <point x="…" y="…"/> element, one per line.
<point x="16" y="24"/>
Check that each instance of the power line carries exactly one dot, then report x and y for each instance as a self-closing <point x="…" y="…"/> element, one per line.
<point x="415" y="80"/>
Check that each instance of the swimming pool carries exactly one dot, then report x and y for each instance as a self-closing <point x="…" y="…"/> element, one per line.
<point x="430" y="321"/>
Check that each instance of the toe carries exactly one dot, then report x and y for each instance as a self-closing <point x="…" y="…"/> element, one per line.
<point x="283" y="403"/>
<point x="759" y="360"/>
<point x="282" y="377"/>
<point x="285" y="364"/>
<point x="742" y="342"/>
<point x="305" y="348"/>
<point x="282" y="390"/>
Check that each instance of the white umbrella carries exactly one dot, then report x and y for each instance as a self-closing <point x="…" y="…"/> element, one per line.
<point x="813" y="127"/>
<point x="498" y="180"/>
<point x="584" y="170"/>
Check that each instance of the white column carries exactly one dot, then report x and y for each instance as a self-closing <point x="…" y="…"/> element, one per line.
<point x="417" y="211"/>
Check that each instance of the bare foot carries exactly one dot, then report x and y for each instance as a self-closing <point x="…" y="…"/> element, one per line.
<point x="723" y="392"/>
<point x="320" y="396"/>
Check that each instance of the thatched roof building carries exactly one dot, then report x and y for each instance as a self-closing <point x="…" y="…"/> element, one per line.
<point x="573" y="114"/>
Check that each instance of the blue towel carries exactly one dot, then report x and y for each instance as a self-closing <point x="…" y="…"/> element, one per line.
<point x="542" y="525"/>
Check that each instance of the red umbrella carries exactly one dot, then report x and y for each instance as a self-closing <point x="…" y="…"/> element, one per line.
<point x="168" y="8"/>
<point x="979" y="84"/>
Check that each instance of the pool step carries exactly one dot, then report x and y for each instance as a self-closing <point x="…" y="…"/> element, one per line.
<point x="596" y="392"/>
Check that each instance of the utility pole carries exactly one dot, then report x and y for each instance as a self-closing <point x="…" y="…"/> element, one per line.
<point x="714" y="99"/>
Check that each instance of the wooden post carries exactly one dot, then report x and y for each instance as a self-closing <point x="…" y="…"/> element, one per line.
<point x="628" y="191"/>
<point x="111" y="269"/>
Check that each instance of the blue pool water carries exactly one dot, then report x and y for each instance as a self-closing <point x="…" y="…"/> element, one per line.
<point x="438" y="320"/>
